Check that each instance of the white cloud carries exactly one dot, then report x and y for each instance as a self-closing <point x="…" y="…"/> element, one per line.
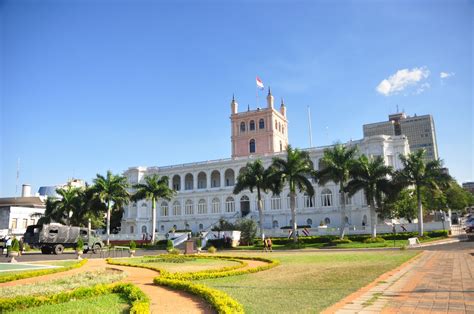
<point x="422" y="88"/>
<point x="403" y="79"/>
<point x="444" y="75"/>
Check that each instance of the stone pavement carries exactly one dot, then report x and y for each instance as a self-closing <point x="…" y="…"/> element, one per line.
<point x="437" y="282"/>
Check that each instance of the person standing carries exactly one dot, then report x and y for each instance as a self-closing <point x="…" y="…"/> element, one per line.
<point x="269" y="245"/>
<point x="8" y="244"/>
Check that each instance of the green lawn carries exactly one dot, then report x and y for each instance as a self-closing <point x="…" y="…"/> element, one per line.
<point x="54" y="263"/>
<point x="307" y="282"/>
<point x="190" y="265"/>
<point x="109" y="303"/>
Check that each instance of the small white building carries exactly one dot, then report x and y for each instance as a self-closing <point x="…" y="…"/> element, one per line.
<point x="17" y="213"/>
<point x="204" y="189"/>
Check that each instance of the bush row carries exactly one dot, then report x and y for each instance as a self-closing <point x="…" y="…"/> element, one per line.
<point x="36" y="273"/>
<point x="356" y="238"/>
<point x="219" y="300"/>
<point x="139" y="301"/>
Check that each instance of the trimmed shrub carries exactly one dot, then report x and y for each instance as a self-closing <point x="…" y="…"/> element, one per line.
<point x="15" y="245"/>
<point x="169" y="245"/>
<point x="80" y="245"/>
<point x="341" y="241"/>
<point x="211" y="250"/>
<point x="132" y="245"/>
<point x="174" y="251"/>
<point x="374" y="240"/>
<point x="199" y="242"/>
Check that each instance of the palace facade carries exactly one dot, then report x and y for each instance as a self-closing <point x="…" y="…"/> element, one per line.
<point x="204" y="189"/>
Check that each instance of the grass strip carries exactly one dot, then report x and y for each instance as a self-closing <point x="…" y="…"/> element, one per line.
<point x="139" y="301"/>
<point x="36" y="273"/>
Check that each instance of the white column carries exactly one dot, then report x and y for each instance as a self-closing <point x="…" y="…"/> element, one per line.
<point x="208" y="180"/>
<point x="182" y="182"/>
<point x="195" y="181"/>
<point x="222" y="173"/>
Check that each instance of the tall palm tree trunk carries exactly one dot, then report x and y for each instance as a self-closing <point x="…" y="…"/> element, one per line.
<point x="260" y="212"/>
<point x="373" y="218"/>
<point x="420" y="212"/>
<point x="153" y="217"/>
<point x="342" y="200"/>
<point x="293" y="215"/>
<point x="109" y="210"/>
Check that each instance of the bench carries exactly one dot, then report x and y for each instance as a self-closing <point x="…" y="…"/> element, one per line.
<point x="413" y="242"/>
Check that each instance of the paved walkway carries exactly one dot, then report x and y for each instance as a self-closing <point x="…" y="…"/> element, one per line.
<point x="436" y="282"/>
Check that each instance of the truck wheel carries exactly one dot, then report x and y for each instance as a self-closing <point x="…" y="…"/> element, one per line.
<point x="45" y="250"/>
<point x="96" y="248"/>
<point x="58" y="249"/>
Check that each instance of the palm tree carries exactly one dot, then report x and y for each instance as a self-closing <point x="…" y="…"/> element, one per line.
<point x="294" y="171"/>
<point x="112" y="191"/>
<point x="418" y="173"/>
<point x="336" y="165"/>
<point x="372" y="176"/>
<point x="155" y="187"/>
<point x="255" y="176"/>
<point x="63" y="208"/>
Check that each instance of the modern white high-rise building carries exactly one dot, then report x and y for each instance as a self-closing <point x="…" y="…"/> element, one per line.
<point x="420" y="131"/>
<point x="204" y="189"/>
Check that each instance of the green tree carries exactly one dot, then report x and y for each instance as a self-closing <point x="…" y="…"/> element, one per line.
<point x="336" y="165"/>
<point x="371" y="175"/>
<point x="248" y="230"/>
<point x="112" y="191"/>
<point x="295" y="171"/>
<point x="418" y="173"/>
<point x="255" y="176"/>
<point x="155" y="187"/>
<point x="62" y="208"/>
<point x="401" y="205"/>
<point x="457" y="198"/>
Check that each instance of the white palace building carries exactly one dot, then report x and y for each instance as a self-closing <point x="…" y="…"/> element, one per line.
<point x="204" y="189"/>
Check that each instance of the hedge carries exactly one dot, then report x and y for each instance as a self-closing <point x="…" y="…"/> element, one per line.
<point x="219" y="300"/>
<point x="356" y="238"/>
<point x="36" y="273"/>
<point x="140" y="304"/>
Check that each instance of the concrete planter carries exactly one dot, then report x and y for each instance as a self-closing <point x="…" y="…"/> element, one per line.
<point x="13" y="254"/>
<point x="79" y="254"/>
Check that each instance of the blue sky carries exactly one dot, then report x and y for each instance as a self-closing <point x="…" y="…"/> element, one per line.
<point x="88" y="86"/>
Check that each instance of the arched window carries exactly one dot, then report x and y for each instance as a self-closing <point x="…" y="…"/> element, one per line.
<point x="281" y="146"/>
<point x="176" y="182"/>
<point x="189" y="208"/>
<point x="202" y="180"/>
<point x="143" y="229"/>
<point x="215" y="179"/>
<point x="326" y="198"/>
<point x="229" y="177"/>
<point x="252" y="125"/>
<point x="132" y="229"/>
<point x="308" y="201"/>
<point x="283" y="129"/>
<point x="346" y="220"/>
<point x="188" y="182"/>
<point x="164" y="209"/>
<point x="229" y="205"/>
<point x="276" y="125"/>
<point x="252" y="146"/>
<point x="364" y="221"/>
<point x="275" y="224"/>
<point x="202" y="206"/>
<point x="176" y="209"/>
<point x="244" y="205"/>
<point x="216" y="205"/>
<point x="309" y="222"/>
<point x="261" y="124"/>
<point x="276" y="202"/>
<point x="201" y="226"/>
<point x="327" y="221"/>
<point x="242" y="126"/>
<point x="162" y="228"/>
<point x="279" y="126"/>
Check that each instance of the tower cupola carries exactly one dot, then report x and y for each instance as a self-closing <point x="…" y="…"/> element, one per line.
<point x="270" y="99"/>
<point x="234" y="106"/>
<point x="283" y="108"/>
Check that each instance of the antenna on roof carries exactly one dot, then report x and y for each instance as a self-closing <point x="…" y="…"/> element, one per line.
<point x="397" y="109"/>
<point x="310" y="131"/>
<point x="17" y="176"/>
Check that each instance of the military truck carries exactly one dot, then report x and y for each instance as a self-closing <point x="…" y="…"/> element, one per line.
<point x="54" y="238"/>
